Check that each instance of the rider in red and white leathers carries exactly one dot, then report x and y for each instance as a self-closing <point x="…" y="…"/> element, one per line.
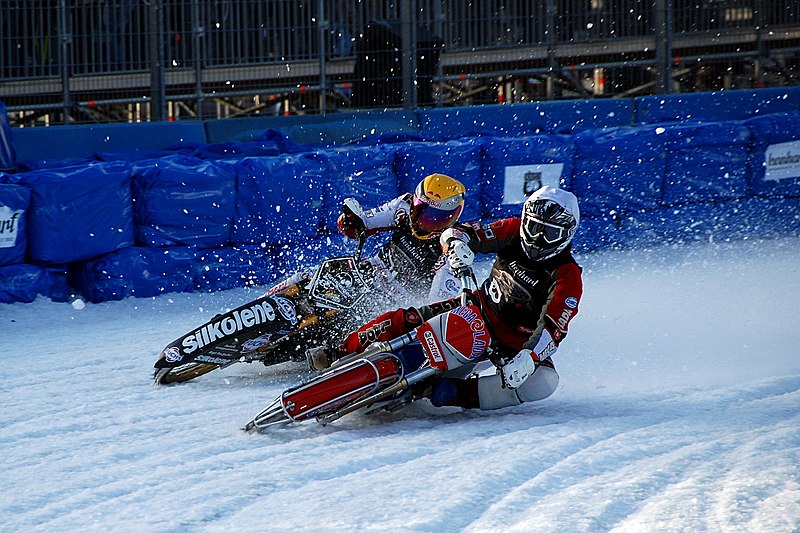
<point x="528" y="301"/>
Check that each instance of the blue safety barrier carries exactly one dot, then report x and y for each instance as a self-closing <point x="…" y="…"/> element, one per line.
<point x="214" y="212"/>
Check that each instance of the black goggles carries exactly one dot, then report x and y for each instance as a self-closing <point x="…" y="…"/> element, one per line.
<point x="537" y="228"/>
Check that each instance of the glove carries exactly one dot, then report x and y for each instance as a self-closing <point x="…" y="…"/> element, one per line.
<point x="451" y="234"/>
<point x="459" y="255"/>
<point x="351" y="221"/>
<point x="518" y="369"/>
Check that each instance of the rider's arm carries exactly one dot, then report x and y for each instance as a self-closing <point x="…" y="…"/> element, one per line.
<point x="385" y="216"/>
<point x="484" y="237"/>
<point x="560" y="310"/>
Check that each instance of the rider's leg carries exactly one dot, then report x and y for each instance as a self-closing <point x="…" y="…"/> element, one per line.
<point x="541" y="384"/>
<point x="486" y="391"/>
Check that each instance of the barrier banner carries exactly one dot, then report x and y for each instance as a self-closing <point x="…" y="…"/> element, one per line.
<point x="14" y="203"/>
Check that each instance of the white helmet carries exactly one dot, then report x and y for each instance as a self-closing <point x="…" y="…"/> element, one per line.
<point x="550" y="218"/>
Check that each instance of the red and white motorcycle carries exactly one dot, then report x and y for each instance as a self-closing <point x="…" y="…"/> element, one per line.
<point x="378" y="378"/>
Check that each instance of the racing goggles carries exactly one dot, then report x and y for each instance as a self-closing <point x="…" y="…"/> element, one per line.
<point x="429" y="216"/>
<point x="535" y="228"/>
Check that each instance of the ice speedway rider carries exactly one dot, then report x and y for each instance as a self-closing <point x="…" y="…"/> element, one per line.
<point x="528" y="300"/>
<point x="410" y="266"/>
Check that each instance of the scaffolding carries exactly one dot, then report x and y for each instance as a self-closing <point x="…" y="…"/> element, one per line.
<point x="98" y="61"/>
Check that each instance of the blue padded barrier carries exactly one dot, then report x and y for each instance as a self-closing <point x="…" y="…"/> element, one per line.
<point x="716" y="106"/>
<point x="458" y="159"/>
<point x="597" y="234"/>
<point x="65" y="145"/>
<point x="184" y="201"/>
<point x="234" y="266"/>
<point x="514" y="167"/>
<point x="775" y="155"/>
<point x="24" y="282"/>
<point x="288" y="258"/>
<point x="280" y="199"/>
<point x="366" y="174"/>
<point x="77" y="213"/>
<point x="619" y="170"/>
<point x="136" y="271"/>
<point x="706" y="162"/>
<point x="529" y="118"/>
<point x="15" y="201"/>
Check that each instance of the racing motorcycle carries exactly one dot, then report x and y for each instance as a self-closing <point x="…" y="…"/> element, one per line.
<point x="383" y="376"/>
<point x="261" y="329"/>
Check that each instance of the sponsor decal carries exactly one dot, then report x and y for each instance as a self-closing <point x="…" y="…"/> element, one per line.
<point x="412" y="317"/>
<point x="400" y="217"/>
<point x="564" y="319"/>
<point x="213" y="360"/>
<point x="433" y="348"/>
<point x="172" y="354"/>
<point x="372" y="333"/>
<point x="494" y="291"/>
<point x="488" y="232"/>
<point x="547" y="351"/>
<point x="9" y="226"/>
<point x="451" y="285"/>
<point x="255" y="344"/>
<point x="520" y="274"/>
<point x="520" y="181"/>
<point x="571" y="302"/>
<point x="286" y="309"/>
<point x="229" y="324"/>
<point x="478" y="341"/>
<point x="782" y="161"/>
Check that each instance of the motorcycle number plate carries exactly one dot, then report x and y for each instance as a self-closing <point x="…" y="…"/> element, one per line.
<point x="338" y="284"/>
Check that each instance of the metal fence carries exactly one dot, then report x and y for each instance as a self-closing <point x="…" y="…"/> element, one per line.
<point x="71" y="61"/>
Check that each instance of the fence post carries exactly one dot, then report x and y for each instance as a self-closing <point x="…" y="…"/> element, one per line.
<point x="408" y="39"/>
<point x="64" y="42"/>
<point x="550" y="41"/>
<point x="758" y="22"/>
<point x="663" y="12"/>
<point x="158" y="96"/>
<point x="198" y="32"/>
<point x="323" y="25"/>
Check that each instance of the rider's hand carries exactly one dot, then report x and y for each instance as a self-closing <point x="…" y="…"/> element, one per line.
<point x="350" y="222"/>
<point x="518" y="369"/>
<point x="459" y="255"/>
<point x="449" y="236"/>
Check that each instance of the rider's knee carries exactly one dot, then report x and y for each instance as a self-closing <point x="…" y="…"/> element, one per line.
<point x="541" y="384"/>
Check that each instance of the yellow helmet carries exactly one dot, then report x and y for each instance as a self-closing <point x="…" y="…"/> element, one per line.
<point x="436" y="205"/>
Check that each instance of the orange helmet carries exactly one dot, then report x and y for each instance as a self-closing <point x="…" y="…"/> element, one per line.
<point x="436" y="205"/>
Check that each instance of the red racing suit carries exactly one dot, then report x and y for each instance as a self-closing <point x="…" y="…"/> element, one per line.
<point x="527" y="304"/>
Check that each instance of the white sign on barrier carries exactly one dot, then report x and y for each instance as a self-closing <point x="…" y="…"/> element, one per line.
<point x="782" y="161"/>
<point x="9" y="225"/>
<point x="523" y="180"/>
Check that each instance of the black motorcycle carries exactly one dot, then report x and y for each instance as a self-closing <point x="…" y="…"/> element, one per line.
<point x="307" y="311"/>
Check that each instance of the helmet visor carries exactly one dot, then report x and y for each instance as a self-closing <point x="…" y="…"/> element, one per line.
<point x="427" y="219"/>
<point x="538" y="231"/>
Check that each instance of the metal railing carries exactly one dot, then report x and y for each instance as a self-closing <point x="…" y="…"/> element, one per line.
<point x="72" y="61"/>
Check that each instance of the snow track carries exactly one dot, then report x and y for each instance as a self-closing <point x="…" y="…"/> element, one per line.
<point x="678" y="410"/>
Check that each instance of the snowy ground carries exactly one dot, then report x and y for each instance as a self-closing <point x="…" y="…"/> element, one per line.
<point x="678" y="410"/>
